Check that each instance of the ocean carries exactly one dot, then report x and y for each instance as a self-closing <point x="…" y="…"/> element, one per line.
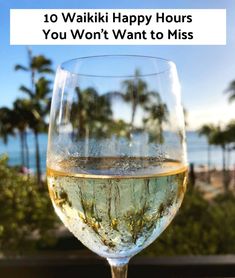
<point x="196" y="146"/>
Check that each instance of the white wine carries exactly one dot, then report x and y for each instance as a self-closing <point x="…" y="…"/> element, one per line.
<point x="116" y="211"/>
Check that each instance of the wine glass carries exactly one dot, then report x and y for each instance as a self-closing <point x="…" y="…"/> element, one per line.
<point x="116" y="160"/>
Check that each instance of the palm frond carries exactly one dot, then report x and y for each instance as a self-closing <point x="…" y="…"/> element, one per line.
<point x="39" y="62"/>
<point x="231" y="91"/>
<point x="231" y="97"/>
<point x="114" y="94"/>
<point x="20" y="67"/>
<point x="42" y="88"/>
<point x="46" y="70"/>
<point x="27" y="91"/>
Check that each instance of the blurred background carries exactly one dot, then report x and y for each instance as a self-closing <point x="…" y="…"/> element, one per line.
<point x="205" y="223"/>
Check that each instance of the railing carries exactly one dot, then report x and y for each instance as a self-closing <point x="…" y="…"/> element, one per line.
<point x="85" y="265"/>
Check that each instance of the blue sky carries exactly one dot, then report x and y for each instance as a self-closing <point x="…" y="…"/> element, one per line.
<point x="205" y="71"/>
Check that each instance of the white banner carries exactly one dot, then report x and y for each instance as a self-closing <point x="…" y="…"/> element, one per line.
<point x="118" y="27"/>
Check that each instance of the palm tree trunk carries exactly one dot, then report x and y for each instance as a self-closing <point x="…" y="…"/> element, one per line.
<point x="82" y="129"/>
<point x="87" y="141"/>
<point x="37" y="157"/>
<point x="26" y="149"/>
<point x="228" y="177"/>
<point x="224" y="169"/>
<point x="228" y="157"/>
<point x="22" y="148"/>
<point x="208" y="163"/>
<point x="133" y="114"/>
<point x="32" y="71"/>
<point x="161" y="138"/>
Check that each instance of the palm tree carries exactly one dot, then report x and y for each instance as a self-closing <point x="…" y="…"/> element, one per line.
<point x="91" y="113"/>
<point x="230" y="132"/>
<point x="36" y="109"/>
<point x="230" y="128"/>
<point x="231" y="91"/>
<point x="12" y="120"/>
<point x="37" y="65"/>
<point x="219" y="137"/>
<point x="135" y="91"/>
<point x="21" y="116"/>
<point x="6" y="123"/>
<point x="207" y="130"/>
<point x="157" y="115"/>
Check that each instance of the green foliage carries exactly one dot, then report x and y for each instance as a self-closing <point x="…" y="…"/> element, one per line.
<point x="200" y="228"/>
<point x="28" y="221"/>
<point x="27" y="217"/>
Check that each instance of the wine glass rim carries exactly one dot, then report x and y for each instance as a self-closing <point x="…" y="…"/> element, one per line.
<point x="168" y="63"/>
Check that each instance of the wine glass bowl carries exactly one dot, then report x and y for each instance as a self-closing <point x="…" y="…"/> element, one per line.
<point x="116" y="161"/>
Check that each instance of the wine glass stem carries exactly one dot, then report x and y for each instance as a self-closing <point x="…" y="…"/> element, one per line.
<point x="119" y="271"/>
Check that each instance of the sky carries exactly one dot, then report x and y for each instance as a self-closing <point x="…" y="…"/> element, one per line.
<point x="205" y="71"/>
